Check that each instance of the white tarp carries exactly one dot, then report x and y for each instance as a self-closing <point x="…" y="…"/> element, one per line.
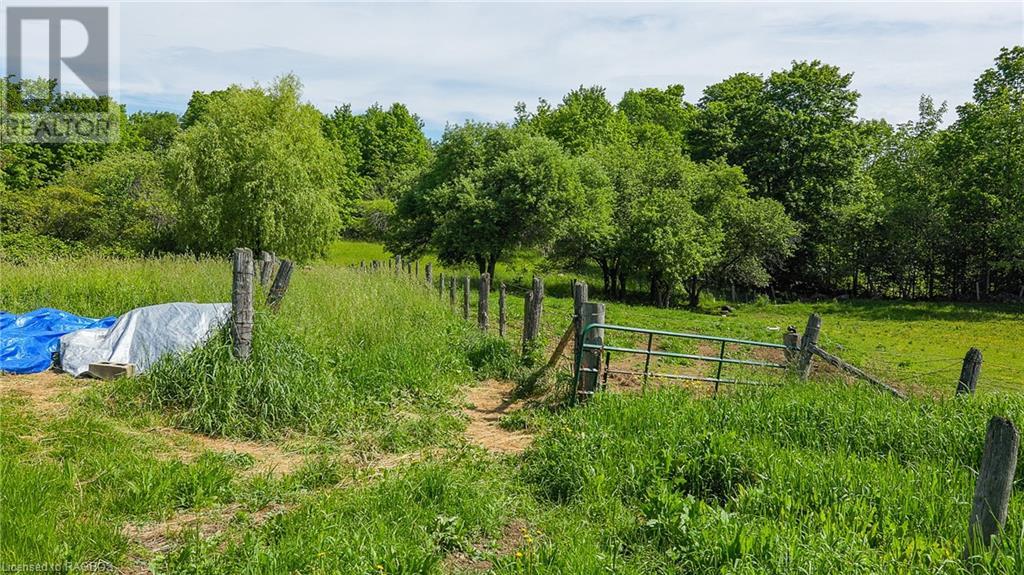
<point x="143" y="335"/>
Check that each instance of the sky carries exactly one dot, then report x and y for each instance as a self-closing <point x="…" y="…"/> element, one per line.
<point x="454" y="61"/>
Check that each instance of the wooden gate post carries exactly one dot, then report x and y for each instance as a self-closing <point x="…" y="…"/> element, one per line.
<point x="483" y="303"/>
<point x="465" y="298"/>
<point x="808" y="341"/>
<point x="580" y="296"/>
<point x="791" y="339"/>
<point x="995" y="483"/>
<point x="281" y="281"/>
<point x="527" y="319"/>
<point x="502" y="313"/>
<point x="241" y="302"/>
<point x="591" y="313"/>
<point x="969" y="372"/>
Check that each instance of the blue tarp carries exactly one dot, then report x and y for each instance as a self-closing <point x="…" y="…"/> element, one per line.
<point x="28" y="341"/>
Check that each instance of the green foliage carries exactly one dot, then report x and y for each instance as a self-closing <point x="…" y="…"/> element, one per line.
<point x="255" y="170"/>
<point x="494" y="189"/>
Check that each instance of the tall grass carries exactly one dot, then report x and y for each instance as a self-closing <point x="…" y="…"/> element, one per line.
<point x="346" y="353"/>
<point x="798" y="479"/>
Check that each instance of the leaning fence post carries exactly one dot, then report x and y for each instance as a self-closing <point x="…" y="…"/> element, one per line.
<point x="428" y="273"/>
<point x="483" y="302"/>
<point x="527" y="318"/>
<point x="465" y="298"/>
<point x="808" y="341"/>
<point x="969" y="372"/>
<point x="590" y="360"/>
<point x="995" y="483"/>
<point x="241" y="302"/>
<point x="281" y="281"/>
<point x="502" y="314"/>
<point x="266" y="267"/>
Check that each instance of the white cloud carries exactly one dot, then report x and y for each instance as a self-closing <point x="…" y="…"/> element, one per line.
<point x="452" y="61"/>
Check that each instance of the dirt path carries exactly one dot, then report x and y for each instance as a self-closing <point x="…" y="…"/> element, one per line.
<point x="486" y="403"/>
<point x="50" y="394"/>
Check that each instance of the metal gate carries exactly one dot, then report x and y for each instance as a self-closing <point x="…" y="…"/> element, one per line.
<point x="597" y="368"/>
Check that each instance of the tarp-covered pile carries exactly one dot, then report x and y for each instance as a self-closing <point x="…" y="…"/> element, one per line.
<point x="140" y="336"/>
<point x="28" y="341"/>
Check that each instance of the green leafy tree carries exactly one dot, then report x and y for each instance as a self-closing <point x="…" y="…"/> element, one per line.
<point x="254" y="169"/>
<point x="153" y="131"/>
<point x="982" y="159"/>
<point x="494" y="189"/>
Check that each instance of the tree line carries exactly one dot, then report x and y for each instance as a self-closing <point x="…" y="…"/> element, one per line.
<point x="766" y="181"/>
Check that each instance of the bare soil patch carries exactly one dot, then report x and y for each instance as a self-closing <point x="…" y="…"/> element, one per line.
<point x="487" y="403"/>
<point x="43" y="390"/>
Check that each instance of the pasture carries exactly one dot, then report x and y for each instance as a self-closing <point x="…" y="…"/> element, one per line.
<point x="351" y="440"/>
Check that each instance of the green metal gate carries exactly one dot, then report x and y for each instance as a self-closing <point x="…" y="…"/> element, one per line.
<point x="601" y="369"/>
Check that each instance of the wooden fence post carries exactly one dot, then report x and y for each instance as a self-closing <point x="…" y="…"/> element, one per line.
<point x="266" y="267"/>
<point x="808" y="341"/>
<point x="502" y="314"/>
<point x="398" y="265"/>
<point x="483" y="302"/>
<point x="537" y="309"/>
<point x="791" y="339"/>
<point x="440" y="287"/>
<point x="428" y="273"/>
<point x="527" y="318"/>
<point x="580" y="296"/>
<point x="417" y="269"/>
<point x="995" y="483"/>
<point x="451" y="292"/>
<point x="281" y="281"/>
<point x="969" y="372"/>
<point x="591" y="313"/>
<point x="241" y="302"/>
<point x="362" y="265"/>
<point x="465" y="298"/>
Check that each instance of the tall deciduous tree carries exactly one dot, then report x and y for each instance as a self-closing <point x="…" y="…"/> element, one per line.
<point x="493" y="189"/>
<point x="254" y="169"/>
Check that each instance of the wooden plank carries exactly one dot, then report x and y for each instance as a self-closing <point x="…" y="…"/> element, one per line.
<point x="856" y="372"/>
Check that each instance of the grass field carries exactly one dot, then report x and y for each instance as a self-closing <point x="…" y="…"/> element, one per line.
<point x="339" y="447"/>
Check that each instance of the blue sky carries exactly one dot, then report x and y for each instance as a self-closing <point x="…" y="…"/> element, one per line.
<point x="449" y="62"/>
